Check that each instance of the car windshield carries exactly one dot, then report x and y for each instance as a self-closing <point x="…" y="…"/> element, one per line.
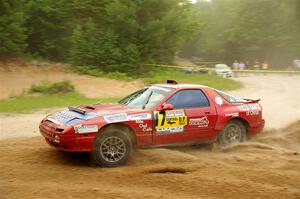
<point x="230" y="98"/>
<point x="146" y="98"/>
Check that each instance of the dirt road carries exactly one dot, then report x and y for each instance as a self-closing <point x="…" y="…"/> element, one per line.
<point x="17" y="76"/>
<point x="279" y="94"/>
<point x="265" y="167"/>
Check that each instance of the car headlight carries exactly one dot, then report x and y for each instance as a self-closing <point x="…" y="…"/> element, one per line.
<point x="56" y="139"/>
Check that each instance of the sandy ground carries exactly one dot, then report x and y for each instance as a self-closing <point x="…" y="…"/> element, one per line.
<point x="268" y="166"/>
<point x="279" y="94"/>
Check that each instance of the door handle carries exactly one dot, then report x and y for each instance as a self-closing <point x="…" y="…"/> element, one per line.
<point x="207" y="112"/>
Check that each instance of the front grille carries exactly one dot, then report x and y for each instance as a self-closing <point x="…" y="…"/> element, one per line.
<point x="49" y="124"/>
<point x="46" y="134"/>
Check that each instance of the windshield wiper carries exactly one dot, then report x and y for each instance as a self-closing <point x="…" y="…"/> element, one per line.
<point x="148" y="100"/>
<point x="126" y="101"/>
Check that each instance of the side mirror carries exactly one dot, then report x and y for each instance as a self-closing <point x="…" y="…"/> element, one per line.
<point x="166" y="107"/>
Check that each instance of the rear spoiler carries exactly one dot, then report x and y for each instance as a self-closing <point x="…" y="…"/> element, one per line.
<point x="251" y="100"/>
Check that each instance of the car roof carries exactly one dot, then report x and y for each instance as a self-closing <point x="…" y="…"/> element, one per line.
<point x="179" y="86"/>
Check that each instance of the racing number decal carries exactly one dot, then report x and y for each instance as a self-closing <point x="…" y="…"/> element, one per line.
<point x="162" y="120"/>
<point x="170" y="121"/>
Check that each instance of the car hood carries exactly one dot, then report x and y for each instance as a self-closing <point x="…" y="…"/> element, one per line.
<point x="71" y="116"/>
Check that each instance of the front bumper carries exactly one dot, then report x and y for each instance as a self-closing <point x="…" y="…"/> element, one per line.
<point x="67" y="141"/>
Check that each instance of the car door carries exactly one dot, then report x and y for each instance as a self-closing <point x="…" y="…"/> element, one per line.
<point x="192" y="119"/>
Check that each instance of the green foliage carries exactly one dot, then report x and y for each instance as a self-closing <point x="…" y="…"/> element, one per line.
<point x="85" y="46"/>
<point x="29" y="103"/>
<point x="12" y="29"/>
<point x="48" y="26"/>
<point x="117" y="35"/>
<point x="246" y="30"/>
<point x="123" y="35"/>
<point x="156" y="75"/>
<point x="55" y="88"/>
<point x="89" y="70"/>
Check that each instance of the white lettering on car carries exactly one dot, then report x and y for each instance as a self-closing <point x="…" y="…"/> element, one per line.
<point x="169" y="130"/>
<point x="232" y="115"/>
<point x="175" y="113"/>
<point x="145" y="127"/>
<point x="119" y="117"/>
<point x="86" y="128"/>
<point x="141" y="116"/>
<point x="139" y="121"/>
<point x="250" y="109"/>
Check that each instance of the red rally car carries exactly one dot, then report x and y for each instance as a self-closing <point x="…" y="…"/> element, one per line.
<point x="159" y="115"/>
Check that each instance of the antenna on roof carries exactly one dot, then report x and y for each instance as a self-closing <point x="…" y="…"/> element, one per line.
<point x="172" y="81"/>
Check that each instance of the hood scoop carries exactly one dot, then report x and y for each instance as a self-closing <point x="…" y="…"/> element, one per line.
<point x="90" y="107"/>
<point x="71" y="116"/>
<point x="78" y="110"/>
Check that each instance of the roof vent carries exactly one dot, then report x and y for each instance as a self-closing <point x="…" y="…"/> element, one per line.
<point x="171" y="81"/>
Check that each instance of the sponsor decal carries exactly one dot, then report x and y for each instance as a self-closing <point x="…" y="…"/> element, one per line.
<point x="170" y="118"/>
<point x="170" y="121"/>
<point x="86" y="128"/>
<point x="141" y="116"/>
<point x="219" y="101"/>
<point x="169" y="130"/>
<point x="232" y="115"/>
<point x="119" y="117"/>
<point x="200" y="122"/>
<point x="250" y="109"/>
<point x="139" y="121"/>
<point x="175" y="113"/>
<point x="145" y="127"/>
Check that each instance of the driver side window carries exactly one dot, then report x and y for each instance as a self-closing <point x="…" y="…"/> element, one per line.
<point x="188" y="99"/>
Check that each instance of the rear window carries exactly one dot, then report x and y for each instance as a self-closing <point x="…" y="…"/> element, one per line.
<point x="230" y="98"/>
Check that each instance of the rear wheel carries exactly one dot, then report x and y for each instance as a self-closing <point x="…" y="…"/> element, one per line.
<point x="112" y="148"/>
<point x="233" y="133"/>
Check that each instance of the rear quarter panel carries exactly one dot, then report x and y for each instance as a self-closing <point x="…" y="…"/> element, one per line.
<point x="251" y="113"/>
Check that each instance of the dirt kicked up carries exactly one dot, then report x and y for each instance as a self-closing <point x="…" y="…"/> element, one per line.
<point x="266" y="167"/>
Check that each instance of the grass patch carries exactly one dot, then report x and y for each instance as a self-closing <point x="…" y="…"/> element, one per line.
<point x="54" y="88"/>
<point x="23" y="104"/>
<point x="160" y="76"/>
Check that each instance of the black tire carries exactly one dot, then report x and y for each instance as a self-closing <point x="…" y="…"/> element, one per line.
<point x="233" y="133"/>
<point x="112" y="148"/>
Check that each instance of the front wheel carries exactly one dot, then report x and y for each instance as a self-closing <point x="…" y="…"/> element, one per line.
<point x="112" y="148"/>
<point x="233" y="133"/>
